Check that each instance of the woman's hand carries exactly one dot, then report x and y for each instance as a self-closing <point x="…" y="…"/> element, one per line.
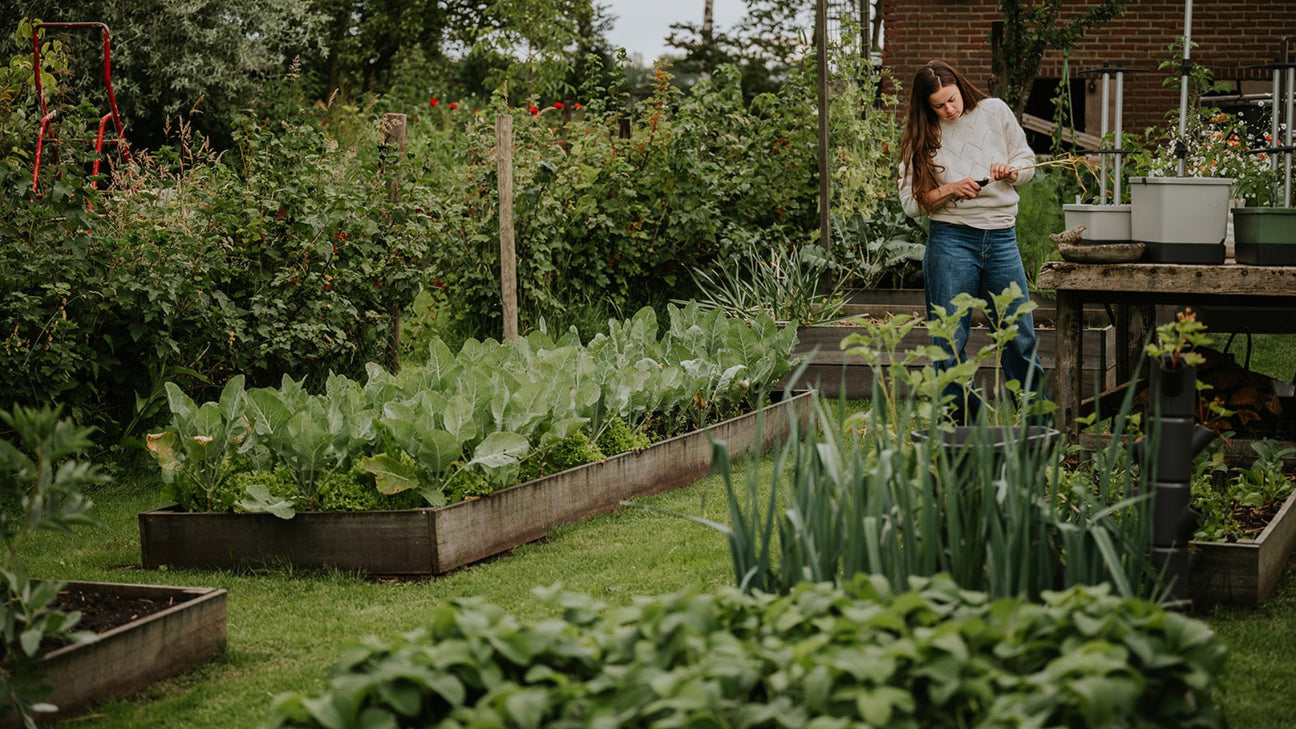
<point x="1003" y="171"/>
<point x="964" y="189"/>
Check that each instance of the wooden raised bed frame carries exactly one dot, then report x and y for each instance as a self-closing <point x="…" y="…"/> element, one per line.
<point x="133" y="656"/>
<point x="833" y="371"/>
<point x="435" y="541"/>
<point x="1245" y="573"/>
<point x="832" y="368"/>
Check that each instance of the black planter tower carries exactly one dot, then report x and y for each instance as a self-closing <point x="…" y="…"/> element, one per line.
<point x="1177" y="438"/>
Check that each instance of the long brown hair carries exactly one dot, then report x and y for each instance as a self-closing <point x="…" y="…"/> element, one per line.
<point x="922" y="127"/>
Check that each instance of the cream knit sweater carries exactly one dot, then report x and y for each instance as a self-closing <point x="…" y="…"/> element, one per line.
<point x="969" y="145"/>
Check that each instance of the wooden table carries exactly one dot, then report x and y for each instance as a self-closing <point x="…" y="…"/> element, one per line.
<point x="1134" y="290"/>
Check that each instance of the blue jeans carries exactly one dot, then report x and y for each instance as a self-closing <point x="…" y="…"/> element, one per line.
<point x="963" y="259"/>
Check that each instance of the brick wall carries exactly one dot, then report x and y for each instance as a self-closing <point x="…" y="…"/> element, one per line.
<point x="1230" y="36"/>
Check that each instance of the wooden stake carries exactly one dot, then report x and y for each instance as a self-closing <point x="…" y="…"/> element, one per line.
<point x="508" y="255"/>
<point x="825" y="180"/>
<point x="393" y="134"/>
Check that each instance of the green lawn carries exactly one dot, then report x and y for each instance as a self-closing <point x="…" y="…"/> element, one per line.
<point x="285" y="629"/>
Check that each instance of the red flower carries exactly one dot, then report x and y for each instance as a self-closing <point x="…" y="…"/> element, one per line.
<point x="415" y="118"/>
<point x="558" y="105"/>
<point x="433" y="101"/>
<point x="580" y="105"/>
<point x="534" y="111"/>
<point x="453" y="106"/>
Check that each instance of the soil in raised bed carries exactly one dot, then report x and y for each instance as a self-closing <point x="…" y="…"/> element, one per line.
<point x="103" y="611"/>
<point x="1252" y="520"/>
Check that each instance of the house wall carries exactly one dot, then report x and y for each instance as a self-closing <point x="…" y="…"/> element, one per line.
<point x="1230" y="36"/>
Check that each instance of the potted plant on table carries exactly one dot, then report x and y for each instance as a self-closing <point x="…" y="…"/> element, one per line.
<point x="1264" y="230"/>
<point x="1185" y="174"/>
<point x="1184" y="218"/>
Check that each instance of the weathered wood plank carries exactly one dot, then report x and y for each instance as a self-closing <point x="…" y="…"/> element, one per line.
<point x="1232" y="279"/>
<point x="472" y="530"/>
<point x="1099" y="343"/>
<point x="1245" y="573"/>
<point x="131" y="657"/>
<point x="432" y="541"/>
<point x="882" y="303"/>
<point x="378" y="542"/>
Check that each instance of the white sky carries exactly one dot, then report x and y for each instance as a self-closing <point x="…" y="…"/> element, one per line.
<point x="641" y="26"/>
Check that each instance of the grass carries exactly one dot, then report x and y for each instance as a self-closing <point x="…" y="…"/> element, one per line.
<point x="286" y="628"/>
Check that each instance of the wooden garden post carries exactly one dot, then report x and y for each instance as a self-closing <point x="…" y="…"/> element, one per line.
<point x="508" y="255"/>
<point x="821" y="60"/>
<point x="393" y="134"/>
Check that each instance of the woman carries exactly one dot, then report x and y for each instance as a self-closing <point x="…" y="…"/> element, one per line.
<point x="959" y="164"/>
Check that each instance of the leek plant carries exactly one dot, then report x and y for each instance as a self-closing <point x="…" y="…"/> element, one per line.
<point x="1015" y="520"/>
<point x="1000" y="512"/>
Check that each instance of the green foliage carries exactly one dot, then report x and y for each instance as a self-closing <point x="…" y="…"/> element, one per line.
<point x="287" y="256"/>
<point x="1176" y="340"/>
<point x="169" y="57"/>
<point x="858" y="655"/>
<point x="197" y="455"/>
<point x="41" y="488"/>
<point x="618" y="437"/>
<point x="907" y="378"/>
<point x="574" y="450"/>
<point x="895" y="491"/>
<point x="1039" y="212"/>
<point x="355" y="490"/>
<point x="996" y="512"/>
<point x="703" y="179"/>
<point x="784" y="285"/>
<point x="1220" y="491"/>
<point x="465" y="424"/>
<point x="1213" y="143"/>
<point x="864" y="130"/>
<point x="1030" y="29"/>
<point x="277" y="484"/>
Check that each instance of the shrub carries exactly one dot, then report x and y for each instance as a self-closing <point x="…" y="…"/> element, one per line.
<point x="857" y="655"/>
<point x="286" y="255"/>
<point x="41" y="487"/>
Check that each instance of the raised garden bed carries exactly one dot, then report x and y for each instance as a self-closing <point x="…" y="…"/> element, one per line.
<point x="1245" y="573"/>
<point x="832" y="369"/>
<point x="435" y="541"/>
<point x="1236" y="573"/>
<point x="880" y="303"/>
<point x="187" y="630"/>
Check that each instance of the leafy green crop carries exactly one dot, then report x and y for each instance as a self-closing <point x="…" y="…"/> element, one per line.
<point x="823" y="656"/>
<point x="469" y="423"/>
<point x="1223" y="493"/>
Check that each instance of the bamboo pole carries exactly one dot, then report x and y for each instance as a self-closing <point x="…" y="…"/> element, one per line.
<point x="508" y="254"/>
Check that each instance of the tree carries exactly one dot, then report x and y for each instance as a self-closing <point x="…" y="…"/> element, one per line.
<point x="169" y="56"/>
<point x="771" y="39"/>
<point x="1029" y="29"/>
